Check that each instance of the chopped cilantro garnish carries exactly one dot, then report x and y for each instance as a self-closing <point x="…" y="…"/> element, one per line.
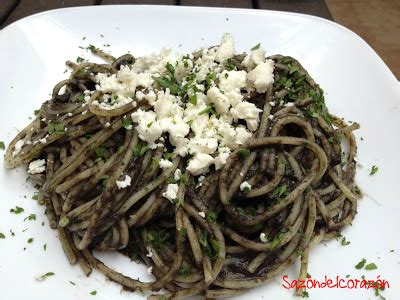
<point x="256" y="47"/>
<point x="183" y="271"/>
<point x="243" y="153"/>
<point x="101" y="152"/>
<point x="30" y="240"/>
<point x="36" y="112"/>
<point x="79" y="60"/>
<point x="17" y="210"/>
<point x="127" y="123"/>
<point x="304" y="294"/>
<point x="361" y="264"/>
<point x="230" y="65"/>
<point x="64" y="221"/>
<point x="210" y="77"/>
<point x="165" y="83"/>
<point x="81" y="98"/>
<point x="345" y="242"/>
<point x="58" y="129"/>
<point x="140" y="150"/>
<point x="31" y="217"/>
<point x="71" y="282"/>
<point x="93" y="293"/>
<point x="211" y="216"/>
<point x="293" y="69"/>
<point x="208" y="110"/>
<point x="193" y="99"/>
<point x="2" y="236"/>
<point x="279" y="192"/>
<point x="45" y="247"/>
<point x="374" y="170"/>
<point x="2" y="146"/>
<point x="35" y="197"/>
<point x="371" y="266"/>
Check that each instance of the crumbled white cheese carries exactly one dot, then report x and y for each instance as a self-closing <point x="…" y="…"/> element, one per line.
<point x="108" y="124"/>
<point x="202" y="214"/>
<point x="226" y="49"/>
<point x="177" y="174"/>
<point x="17" y="147"/>
<point x="84" y="112"/>
<point x="262" y="76"/>
<point x="69" y="114"/>
<point x="223" y="155"/>
<point x="272" y="103"/>
<point x="149" y="252"/>
<point x="121" y="184"/>
<point x="171" y="192"/>
<point x="245" y="186"/>
<point x="220" y="101"/>
<point x="263" y="237"/>
<point x="149" y="270"/>
<point x="232" y="81"/>
<point x="271" y="117"/>
<point x="200" y="163"/>
<point x="241" y="174"/>
<point x="254" y="58"/>
<point x="165" y="163"/>
<point x="289" y="104"/>
<point x="249" y="112"/>
<point x="43" y="140"/>
<point x="37" y="166"/>
<point x="201" y="178"/>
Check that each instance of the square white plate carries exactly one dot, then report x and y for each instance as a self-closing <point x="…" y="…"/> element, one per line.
<point x="358" y="85"/>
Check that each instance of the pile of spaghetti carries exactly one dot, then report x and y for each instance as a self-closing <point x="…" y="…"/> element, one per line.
<point x="216" y="238"/>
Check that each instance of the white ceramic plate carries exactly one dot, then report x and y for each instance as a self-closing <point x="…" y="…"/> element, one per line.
<point x="358" y="86"/>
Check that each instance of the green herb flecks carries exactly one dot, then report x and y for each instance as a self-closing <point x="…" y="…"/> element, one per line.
<point x="17" y="210"/>
<point x="374" y="170"/>
<point x="58" y="129"/>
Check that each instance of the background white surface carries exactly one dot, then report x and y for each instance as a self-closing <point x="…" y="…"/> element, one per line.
<point x="358" y="86"/>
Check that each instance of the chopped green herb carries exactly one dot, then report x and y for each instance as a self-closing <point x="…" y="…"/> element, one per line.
<point x="31" y="217"/>
<point x="256" y="47"/>
<point x="165" y="83"/>
<point x="12" y="232"/>
<point x="170" y="68"/>
<point x="210" y="77"/>
<point x="345" y="242"/>
<point x="2" y="146"/>
<point x="371" y="266"/>
<point x="64" y="221"/>
<point x="71" y="282"/>
<point x="374" y="170"/>
<point x="292" y="69"/>
<point x="30" y="240"/>
<point x="392" y="250"/>
<point x="158" y="238"/>
<point x="127" y="123"/>
<point x="209" y="110"/>
<point x="58" y="129"/>
<point x="49" y="274"/>
<point x="17" y="210"/>
<point x="2" y="236"/>
<point x="193" y="99"/>
<point x="35" y="197"/>
<point x="230" y="65"/>
<point x="183" y="271"/>
<point x="226" y="75"/>
<point x="211" y="216"/>
<point x="81" y="98"/>
<point x="243" y="153"/>
<point x="45" y="247"/>
<point x="276" y="240"/>
<point x="304" y="294"/>
<point x="140" y="150"/>
<point x="79" y="60"/>
<point x="36" y="112"/>
<point x="93" y="293"/>
<point x="361" y="264"/>
<point x="183" y="232"/>
<point x="279" y="192"/>
<point x="361" y="138"/>
<point x="101" y="152"/>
